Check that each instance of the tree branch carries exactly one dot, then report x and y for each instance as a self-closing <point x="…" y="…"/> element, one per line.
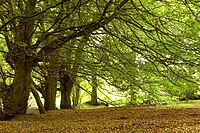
<point x="59" y="42"/>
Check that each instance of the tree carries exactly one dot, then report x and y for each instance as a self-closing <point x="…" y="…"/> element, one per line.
<point x="94" y="90"/>
<point x="30" y="37"/>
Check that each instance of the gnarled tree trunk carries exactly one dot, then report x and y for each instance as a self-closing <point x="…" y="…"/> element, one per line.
<point x="19" y="41"/>
<point x="15" y="101"/>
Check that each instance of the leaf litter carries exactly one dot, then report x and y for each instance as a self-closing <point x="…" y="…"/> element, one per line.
<point x="112" y="119"/>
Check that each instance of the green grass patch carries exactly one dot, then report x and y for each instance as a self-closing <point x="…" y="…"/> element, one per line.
<point x="189" y="104"/>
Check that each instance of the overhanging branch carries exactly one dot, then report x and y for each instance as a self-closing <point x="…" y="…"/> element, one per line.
<point x="87" y="29"/>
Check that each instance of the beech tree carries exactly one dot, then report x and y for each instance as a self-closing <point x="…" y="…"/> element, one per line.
<point x="32" y="29"/>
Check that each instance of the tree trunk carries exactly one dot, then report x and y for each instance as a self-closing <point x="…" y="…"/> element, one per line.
<point x="76" y="95"/>
<point x="15" y="101"/>
<point x="70" y="84"/>
<point x="66" y="89"/>
<point x="38" y="100"/>
<point x="67" y="80"/>
<point x="63" y="102"/>
<point x="50" y="93"/>
<point x="94" y="90"/>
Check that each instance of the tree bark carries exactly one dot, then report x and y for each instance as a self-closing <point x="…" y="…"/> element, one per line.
<point x="16" y="95"/>
<point x="38" y="100"/>
<point x="15" y="101"/>
<point x="66" y="89"/>
<point x="94" y="90"/>
<point x="76" y="96"/>
<point x="50" y="93"/>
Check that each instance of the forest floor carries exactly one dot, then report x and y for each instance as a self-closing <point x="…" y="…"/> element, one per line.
<point x="128" y="119"/>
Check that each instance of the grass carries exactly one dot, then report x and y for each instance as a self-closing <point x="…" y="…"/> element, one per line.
<point x="186" y="104"/>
